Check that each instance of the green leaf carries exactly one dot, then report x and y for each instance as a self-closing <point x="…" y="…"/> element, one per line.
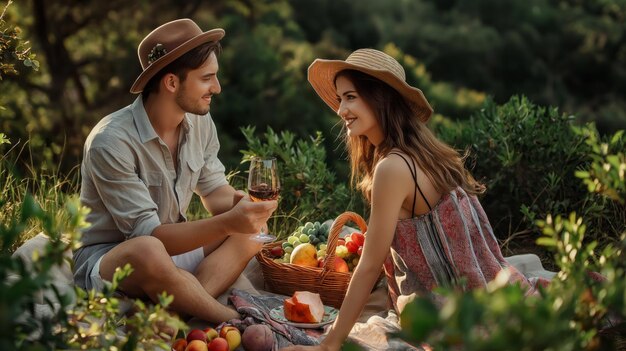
<point x="545" y="241"/>
<point x="419" y="318"/>
<point x="617" y="137"/>
<point x="582" y="174"/>
<point x="4" y="139"/>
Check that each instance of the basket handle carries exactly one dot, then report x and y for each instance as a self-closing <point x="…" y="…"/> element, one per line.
<point x="335" y="229"/>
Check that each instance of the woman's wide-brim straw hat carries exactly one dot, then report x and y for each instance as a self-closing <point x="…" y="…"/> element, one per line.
<point x="167" y="43"/>
<point x="376" y="63"/>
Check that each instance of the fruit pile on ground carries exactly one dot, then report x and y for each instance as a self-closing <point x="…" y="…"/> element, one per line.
<point x="307" y="247"/>
<point x="255" y="337"/>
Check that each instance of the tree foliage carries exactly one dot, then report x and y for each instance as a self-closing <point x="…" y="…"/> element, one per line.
<point x="569" y="54"/>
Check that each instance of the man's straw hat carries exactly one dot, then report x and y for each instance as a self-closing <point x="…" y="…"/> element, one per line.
<point x="167" y="43"/>
<point x="375" y="63"/>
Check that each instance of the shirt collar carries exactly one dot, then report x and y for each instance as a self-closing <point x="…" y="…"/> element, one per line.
<point x="144" y="127"/>
<point x="142" y="122"/>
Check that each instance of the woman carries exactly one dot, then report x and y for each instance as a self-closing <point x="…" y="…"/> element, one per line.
<point x="426" y="225"/>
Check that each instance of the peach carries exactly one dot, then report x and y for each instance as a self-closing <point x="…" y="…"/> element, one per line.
<point x="341" y="265"/>
<point x="210" y="333"/>
<point x="232" y="336"/>
<point x="258" y="337"/>
<point x="197" y="345"/>
<point x="196" y="334"/>
<point x="218" y="344"/>
<point x="179" y="345"/>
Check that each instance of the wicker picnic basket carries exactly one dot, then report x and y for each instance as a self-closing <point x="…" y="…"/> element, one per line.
<point x="285" y="278"/>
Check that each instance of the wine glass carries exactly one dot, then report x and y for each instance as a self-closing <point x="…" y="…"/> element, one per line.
<point x="263" y="185"/>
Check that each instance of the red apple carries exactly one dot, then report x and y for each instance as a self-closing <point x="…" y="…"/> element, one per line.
<point x="218" y="344"/>
<point x="179" y="345"/>
<point x="277" y="251"/>
<point x="196" y="334"/>
<point x="359" y="251"/>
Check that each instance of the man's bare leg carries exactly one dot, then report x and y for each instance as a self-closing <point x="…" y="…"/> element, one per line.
<point x="155" y="272"/>
<point x="221" y="267"/>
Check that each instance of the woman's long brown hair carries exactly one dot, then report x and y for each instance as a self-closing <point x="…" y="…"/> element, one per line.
<point x="402" y="130"/>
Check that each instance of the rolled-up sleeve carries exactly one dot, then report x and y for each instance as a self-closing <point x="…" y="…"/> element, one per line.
<point x="121" y="190"/>
<point x="212" y="174"/>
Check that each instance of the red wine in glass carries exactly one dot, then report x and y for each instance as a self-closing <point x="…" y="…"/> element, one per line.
<point x="263" y="185"/>
<point x="263" y="192"/>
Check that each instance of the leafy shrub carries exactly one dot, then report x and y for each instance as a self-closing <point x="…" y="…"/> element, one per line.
<point x="574" y="312"/>
<point x="310" y="191"/>
<point x="91" y="319"/>
<point x="95" y="320"/>
<point x="527" y="156"/>
<point x="606" y="175"/>
<point x="13" y="49"/>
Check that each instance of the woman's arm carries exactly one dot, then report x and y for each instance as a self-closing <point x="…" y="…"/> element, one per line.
<point x="388" y="193"/>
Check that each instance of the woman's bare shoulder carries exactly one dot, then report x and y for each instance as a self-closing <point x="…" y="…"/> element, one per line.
<point x="391" y="163"/>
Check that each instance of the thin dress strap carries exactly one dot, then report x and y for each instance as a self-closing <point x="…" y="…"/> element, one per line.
<point x="417" y="187"/>
<point x="447" y="275"/>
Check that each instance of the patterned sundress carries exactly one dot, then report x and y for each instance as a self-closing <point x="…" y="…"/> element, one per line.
<point x="453" y="240"/>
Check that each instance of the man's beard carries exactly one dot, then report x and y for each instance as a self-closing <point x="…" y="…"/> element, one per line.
<point x="190" y="106"/>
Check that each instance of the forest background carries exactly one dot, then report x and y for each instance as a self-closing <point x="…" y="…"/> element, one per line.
<point x="533" y="89"/>
<point x="469" y="57"/>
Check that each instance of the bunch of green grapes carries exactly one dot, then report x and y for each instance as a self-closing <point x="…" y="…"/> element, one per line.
<point x="314" y="233"/>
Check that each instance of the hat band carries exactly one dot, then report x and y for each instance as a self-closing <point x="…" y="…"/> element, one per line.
<point x="156" y="53"/>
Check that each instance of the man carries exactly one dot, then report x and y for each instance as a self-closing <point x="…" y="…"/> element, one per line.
<point x="140" y="168"/>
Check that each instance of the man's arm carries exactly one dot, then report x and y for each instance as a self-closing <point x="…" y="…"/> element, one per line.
<point x="246" y="217"/>
<point x="221" y="199"/>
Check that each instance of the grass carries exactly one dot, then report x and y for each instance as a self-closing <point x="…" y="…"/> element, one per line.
<point x="46" y="184"/>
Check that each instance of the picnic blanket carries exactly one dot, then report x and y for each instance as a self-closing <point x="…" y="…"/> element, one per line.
<point x="371" y="335"/>
<point x="256" y="309"/>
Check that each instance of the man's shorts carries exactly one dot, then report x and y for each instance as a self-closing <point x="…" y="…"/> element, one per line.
<point x="188" y="261"/>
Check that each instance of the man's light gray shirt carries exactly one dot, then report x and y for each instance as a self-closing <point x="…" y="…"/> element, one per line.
<point x="130" y="181"/>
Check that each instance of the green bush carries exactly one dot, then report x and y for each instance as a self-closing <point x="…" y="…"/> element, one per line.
<point x="527" y="156"/>
<point x="14" y="51"/>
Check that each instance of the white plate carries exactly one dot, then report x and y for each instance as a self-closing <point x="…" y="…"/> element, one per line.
<point x="330" y="313"/>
